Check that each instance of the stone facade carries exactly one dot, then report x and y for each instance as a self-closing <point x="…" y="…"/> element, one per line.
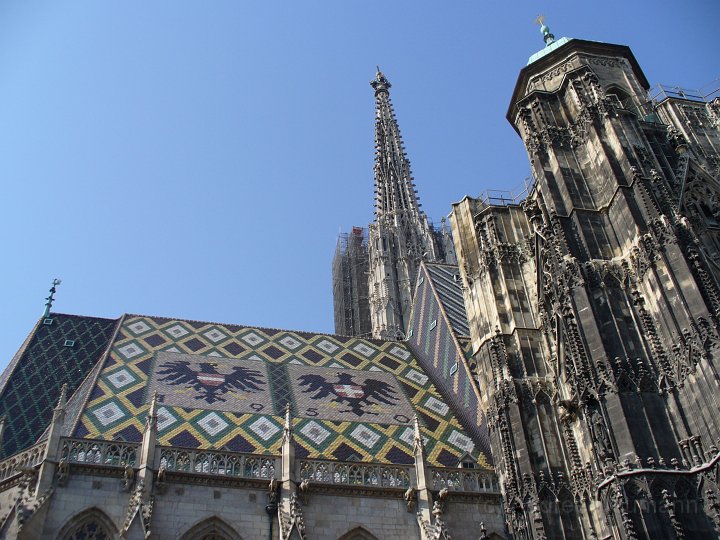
<point x="65" y="487"/>
<point x="184" y="429"/>
<point x="593" y="305"/>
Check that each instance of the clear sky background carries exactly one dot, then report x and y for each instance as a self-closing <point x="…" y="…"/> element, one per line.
<point x="198" y="159"/>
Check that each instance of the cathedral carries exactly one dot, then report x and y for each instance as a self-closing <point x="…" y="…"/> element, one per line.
<point x="535" y="368"/>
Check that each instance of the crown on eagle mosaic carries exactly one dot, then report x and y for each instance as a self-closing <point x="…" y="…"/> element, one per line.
<point x="380" y="82"/>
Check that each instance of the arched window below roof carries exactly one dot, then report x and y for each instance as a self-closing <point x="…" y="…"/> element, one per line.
<point x="90" y="524"/>
<point x="212" y="528"/>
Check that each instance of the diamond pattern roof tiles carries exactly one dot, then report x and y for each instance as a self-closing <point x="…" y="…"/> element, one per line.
<point x="342" y="391"/>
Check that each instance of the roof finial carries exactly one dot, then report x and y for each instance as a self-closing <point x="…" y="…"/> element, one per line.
<point x="380" y="82"/>
<point x="50" y="299"/>
<point x="548" y="37"/>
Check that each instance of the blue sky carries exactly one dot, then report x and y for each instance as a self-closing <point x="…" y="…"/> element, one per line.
<point x="197" y="159"/>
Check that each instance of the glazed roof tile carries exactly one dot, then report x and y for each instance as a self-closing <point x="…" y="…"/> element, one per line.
<point x="446" y="281"/>
<point x="226" y="386"/>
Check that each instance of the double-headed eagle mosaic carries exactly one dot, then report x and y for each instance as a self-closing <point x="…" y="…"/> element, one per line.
<point x="208" y="381"/>
<point x="345" y="390"/>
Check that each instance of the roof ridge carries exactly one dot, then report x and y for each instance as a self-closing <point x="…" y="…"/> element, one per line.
<point x="75" y="315"/>
<point x="255" y="327"/>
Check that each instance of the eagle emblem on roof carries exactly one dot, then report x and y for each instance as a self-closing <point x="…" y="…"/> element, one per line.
<point x="347" y="391"/>
<point x="208" y="381"/>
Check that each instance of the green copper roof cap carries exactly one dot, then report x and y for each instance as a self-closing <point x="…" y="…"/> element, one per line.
<point x="548" y="38"/>
<point x="548" y="49"/>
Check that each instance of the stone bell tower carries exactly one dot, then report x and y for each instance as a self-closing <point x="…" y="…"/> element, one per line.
<point x="594" y="310"/>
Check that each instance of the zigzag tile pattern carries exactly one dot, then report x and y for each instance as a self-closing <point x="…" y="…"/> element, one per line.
<point x="446" y="279"/>
<point x="441" y="352"/>
<point x="117" y="406"/>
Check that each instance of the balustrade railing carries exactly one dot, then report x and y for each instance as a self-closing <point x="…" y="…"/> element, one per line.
<point x="355" y="474"/>
<point x="94" y="452"/>
<point x="468" y="480"/>
<point x="234" y="464"/>
<point x="218" y="463"/>
<point x="24" y="460"/>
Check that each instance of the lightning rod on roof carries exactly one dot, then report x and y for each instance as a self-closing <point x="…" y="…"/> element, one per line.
<point x="51" y="298"/>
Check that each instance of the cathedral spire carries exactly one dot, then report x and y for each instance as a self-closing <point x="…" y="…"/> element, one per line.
<point x="401" y="235"/>
<point x="394" y="187"/>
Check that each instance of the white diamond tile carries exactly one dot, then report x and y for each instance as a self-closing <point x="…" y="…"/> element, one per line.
<point x="375" y="368"/>
<point x="121" y="378"/>
<point x="139" y="327"/>
<point x="290" y="342"/>
<point x="327" y="346"/>
<point x="215" y="335"/>
<point x="400" y="353"/>
<point x="108" y="413"/>
<point x="264" y="428"/>
<point x="336" y="365"/>
<point x="177" y="331"/>
<point x="315" y="432"/>
<point x="173" y="349"/>
<point x="416" y="376"/>
<point x="295" y="361"/>
<point x="165" y="418"/>
<point x="213" y="424"/>
<point x="437" y="406"/>
<point x="215" y="354"/>
<point x="252" y="339"/>
<point x="365" y="436"/>
<point x="408" y="436"/>
<point x="461" y="441"/>
<point x="363" y="349"/>
<point x="131" y="350"/>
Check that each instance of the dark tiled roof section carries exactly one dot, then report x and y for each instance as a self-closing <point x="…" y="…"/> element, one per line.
<point x="445" y="279"/>
<point x="434" y="345"/>
<point x="16" y="358"/>
<point x="33" y="380"/>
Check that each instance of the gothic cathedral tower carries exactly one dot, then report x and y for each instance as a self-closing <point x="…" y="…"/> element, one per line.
<point x="374" y="277"/>
<point x="401" y="236"/>
<point x="594" y="305"/>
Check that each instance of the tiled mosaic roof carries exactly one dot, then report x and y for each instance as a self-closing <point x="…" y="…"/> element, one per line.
<point x="32" y="381"/>
<point x="443" y="355"/>
<point x="446" y="282"/>
<point x="223" y="386"/>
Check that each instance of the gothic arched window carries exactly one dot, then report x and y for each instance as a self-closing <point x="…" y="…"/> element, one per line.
<point x="89" y="525"/>
<point x="358" y="533"/>
<point x="212" y="528"/>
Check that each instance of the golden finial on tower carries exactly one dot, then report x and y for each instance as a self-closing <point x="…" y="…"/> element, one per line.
<point x="544" y="30"/>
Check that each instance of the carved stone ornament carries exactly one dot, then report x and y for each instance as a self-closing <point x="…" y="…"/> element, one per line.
<point x="294" y="521"/>
<point x="410" y="498"/>
<point x="272" y="491"/>
<point x="128" y="478"/>
<point x="600" y="434"/>
<point x="304" y="489"/>
<point x="62" y="474"/>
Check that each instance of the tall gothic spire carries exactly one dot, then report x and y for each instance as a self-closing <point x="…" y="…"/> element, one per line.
<point x="401" y="236"/>
<point x="394" y="187"/>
